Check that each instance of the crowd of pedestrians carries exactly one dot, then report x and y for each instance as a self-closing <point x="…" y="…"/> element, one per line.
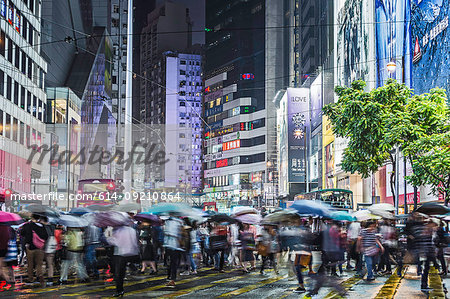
<point x="181" y="245"/>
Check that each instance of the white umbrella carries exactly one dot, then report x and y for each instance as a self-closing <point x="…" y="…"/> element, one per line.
<point x="72" y="221"/>
<point x="364" y="215"/>
<point x="242" y="210"/>
<point x="386" y="207"/>
<point x="127" y="207"/>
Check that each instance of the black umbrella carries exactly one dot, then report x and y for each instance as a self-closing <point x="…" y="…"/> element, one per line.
<point x="42" y="210"/>
<point x="433" y="208"/>
<point x="219" y="218"/>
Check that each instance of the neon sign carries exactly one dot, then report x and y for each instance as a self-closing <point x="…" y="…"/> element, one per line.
<point x="247" y="76"/>
<point x="231" y="145"/>
<point x="221" y="163"/>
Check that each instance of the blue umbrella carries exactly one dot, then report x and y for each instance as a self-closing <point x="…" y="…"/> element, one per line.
<point x="311" y="208"/>
<point x="80" y="211"/>
<point x="342" y="216"/>
<point x="181" y="209"/>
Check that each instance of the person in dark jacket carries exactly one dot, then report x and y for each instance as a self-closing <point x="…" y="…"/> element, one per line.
<point x="4" y="239"/>
<point x="32" y="232"/>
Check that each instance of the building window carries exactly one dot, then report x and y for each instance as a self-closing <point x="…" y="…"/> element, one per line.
<point x="115" y="22"/>
<point x="7" y="126"/>
<point x="16" y="93"/>
<point x="15" y="130"/>
<point x="1" y="122"/>
<point x="17" y="58"/>
<point x="24" y="63"/>
<point x="28" y="136"/>
<point x="22" y="98"/>
<point x="2" y="43"/>
<point x="2" y="83"/>
<point x="182" y="72"/>
<point x="116" y="8"/>
<point x="8" y="87"/>
<point x="21" y="133"/>
<point x="183" y="62"/>
<point x="10" y="50"/>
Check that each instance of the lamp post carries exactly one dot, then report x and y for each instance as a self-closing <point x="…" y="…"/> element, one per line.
<point x="392" y="68"/>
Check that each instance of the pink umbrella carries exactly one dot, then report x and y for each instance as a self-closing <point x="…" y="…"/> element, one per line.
<point x="249" y="218"/>
<point x="10" y="218"/>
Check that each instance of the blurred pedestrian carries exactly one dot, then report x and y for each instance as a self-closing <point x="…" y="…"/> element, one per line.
<point x="35" y="236"/>
<point x="370" y="246"/>
<point x="172" y="245"/>
<point x="74" y="243"/>
<point x="148" y="247"/>
<point x="248" y="245"/>
<point x="126" y="248"/>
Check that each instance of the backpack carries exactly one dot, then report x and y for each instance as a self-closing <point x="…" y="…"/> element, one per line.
<point x="38" y="242"/>
<point x="50" y="245"/>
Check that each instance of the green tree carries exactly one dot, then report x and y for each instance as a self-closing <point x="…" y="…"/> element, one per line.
<point x="361" y="117"/>
<point x="377" y="121"/>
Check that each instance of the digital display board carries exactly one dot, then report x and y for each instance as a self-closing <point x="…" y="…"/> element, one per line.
<point x="297" y="131"/>
<point x="430" y="41"/>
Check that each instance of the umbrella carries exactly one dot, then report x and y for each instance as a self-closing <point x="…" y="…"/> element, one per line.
<point x="42" y="210"/>
<point x="342" y="216"/>
<point x="100" y="207"/>
<point x="181" y="209"/>
<point x="112" y="218"/>
<point x="221" y="218"/>
<point x="281" y="216"/>
<point x="209" y="213"/>
<point x="10" y="218"/>
<point x="72" y="221"/>
<point x="364" y="215"/>
<point x="385" y="207"/>
<point x="127" y="207"/>
<point x="241" y="210"/>
<point x="80" y="211"/>
<point x="249" y="218"/>
<point x="311" y="207"/>
<point x="433" y="208"/>
<point x="148" y="218"/>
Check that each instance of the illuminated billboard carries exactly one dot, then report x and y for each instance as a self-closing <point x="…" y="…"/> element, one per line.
<point x="430" y="41"/>
<point x="297" y="132"/>
<point x="393" y="39"/>
<point x="316" y="102"/>
<point x="355" y="57"/>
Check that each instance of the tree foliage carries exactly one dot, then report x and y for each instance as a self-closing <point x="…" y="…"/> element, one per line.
<point x="375" y="122"/>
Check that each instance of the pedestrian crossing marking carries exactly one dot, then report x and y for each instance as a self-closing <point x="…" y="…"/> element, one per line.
<point x="252" y="286"/>
<point x="111" y="287"/>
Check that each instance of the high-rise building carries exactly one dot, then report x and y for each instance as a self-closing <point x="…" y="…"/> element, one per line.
<point x="171" y="93"/>
<point x="250" y="55"/>
<point x="22" y="95"/>
<point x="158" y="37"/>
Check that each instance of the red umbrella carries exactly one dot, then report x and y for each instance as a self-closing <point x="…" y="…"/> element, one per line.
<point x="10" y="218"/>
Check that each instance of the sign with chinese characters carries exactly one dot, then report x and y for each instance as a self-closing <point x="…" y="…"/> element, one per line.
<point x="298" y="123"/>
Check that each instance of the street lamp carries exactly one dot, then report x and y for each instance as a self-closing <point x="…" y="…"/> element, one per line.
<point x="391" y="67"/>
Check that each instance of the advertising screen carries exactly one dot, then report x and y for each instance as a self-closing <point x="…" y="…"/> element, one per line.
<point x="298" y="123"/>
<point x="393" y="39"/>
<point x="430" y="44"/>
<point x="316" y="102"/>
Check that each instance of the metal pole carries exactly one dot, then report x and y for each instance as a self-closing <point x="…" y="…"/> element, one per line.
<point x="405" y="186"/>
<point x="396" y="179"/>
<point x="127" y="175"/>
